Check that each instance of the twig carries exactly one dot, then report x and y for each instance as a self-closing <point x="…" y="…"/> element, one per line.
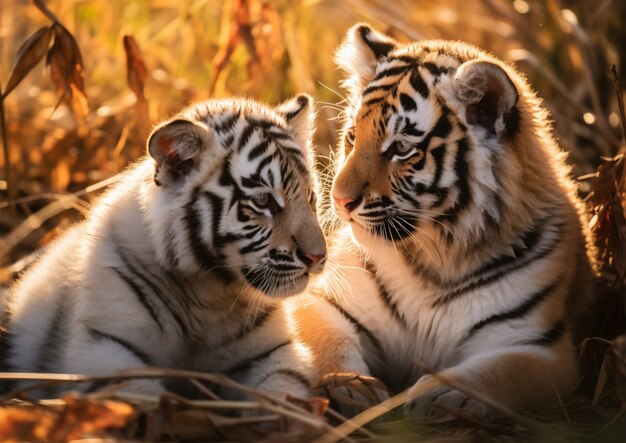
<point x="44" y="9"/>
<point x="35" y="220"/>
<point x="266" y="401"/>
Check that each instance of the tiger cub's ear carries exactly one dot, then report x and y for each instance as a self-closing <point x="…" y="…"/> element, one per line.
<point x="489" y="97"/>
<point x="300" y="117"/>
<point x="176" y="147"/>
<point x="360" y="50"/>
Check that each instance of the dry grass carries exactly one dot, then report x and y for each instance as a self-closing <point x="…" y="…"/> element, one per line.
<point x="115" y="68"/>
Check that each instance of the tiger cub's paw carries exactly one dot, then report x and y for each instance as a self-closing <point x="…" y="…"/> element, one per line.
<point x="351" y="393"/>
<point x="443" y="403"/>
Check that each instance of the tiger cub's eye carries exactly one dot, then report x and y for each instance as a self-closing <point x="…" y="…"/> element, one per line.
<point x="350" y="137"/>
<point x="262" y="201"/>
<point x="403" y="148"/>
<point x="399" y="150"/>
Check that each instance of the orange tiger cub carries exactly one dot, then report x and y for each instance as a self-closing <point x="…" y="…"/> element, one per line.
<point x="461" y="245"/>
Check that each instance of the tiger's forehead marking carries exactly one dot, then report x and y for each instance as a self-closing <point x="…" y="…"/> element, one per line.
<point x="399" y="102"/>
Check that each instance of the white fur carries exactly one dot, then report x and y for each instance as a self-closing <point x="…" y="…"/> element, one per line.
<point x="78" y="311"/>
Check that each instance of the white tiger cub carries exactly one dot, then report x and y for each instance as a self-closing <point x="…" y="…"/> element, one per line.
<point x="464" y="247"/>
<point x="183" y="263"/>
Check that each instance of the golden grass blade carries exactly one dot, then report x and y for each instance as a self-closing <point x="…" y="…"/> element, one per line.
<point x="34" y="221"/>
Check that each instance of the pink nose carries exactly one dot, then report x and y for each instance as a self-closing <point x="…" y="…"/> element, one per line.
<point x="315" y="259"/>
<point x="343" y="202"/>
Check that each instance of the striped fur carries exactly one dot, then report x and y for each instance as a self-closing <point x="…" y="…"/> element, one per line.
<point x="464" y="248"/>
<point x="183" y="263"/>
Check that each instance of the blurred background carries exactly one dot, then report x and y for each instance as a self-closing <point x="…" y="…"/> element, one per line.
<point x="81" y="94"/>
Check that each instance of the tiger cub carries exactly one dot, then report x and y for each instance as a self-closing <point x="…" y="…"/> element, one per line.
<point x="183" y="263"/>
<point x="464" y="249"/>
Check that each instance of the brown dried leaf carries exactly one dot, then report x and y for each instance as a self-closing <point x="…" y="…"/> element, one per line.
<point x="30" y="53"/>
<point x="25" y="424"/>
<point x="136" y="68"/>
<point x="66" y="69"/>
<point x="77" y="418"/>
<point x="78" y="102"/>
<point x="86" y="417"/>
<point x="608" y="206"/>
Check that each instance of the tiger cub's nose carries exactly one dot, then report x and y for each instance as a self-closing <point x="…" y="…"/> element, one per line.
<point x="346" y="203"/>
<point x="314" y="259"/>
<point x="311" y="260"/>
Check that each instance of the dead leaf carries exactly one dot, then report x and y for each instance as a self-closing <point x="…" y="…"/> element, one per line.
<point x="76" y="418"/>
<point x="30" y="53"/>
<point x="136" y="68"/>
<point x="66" y="69"/>
<point x="25" y="424"/>
<point x="87" y="417"/>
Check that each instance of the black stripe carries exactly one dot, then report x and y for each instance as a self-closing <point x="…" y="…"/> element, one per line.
<point x="410" y="129"/>
<point x="436" y="70"/>
<point x="395" y="70"/>
<point x="165" y="299"/>
<point x="403" y="58"/>
<point x="245" y="136"/>
<point x="56" y="334"/>
<point x="551" y="336"/>
<point x="516" y="263"/>
<point x="461" y="169"/>
<point x="256" y="245"/>
<point x="205" y="257"/>
<point x="258" y="150"/>
<point x="248" y="363"/>
<point x="265" y="125"/>
<point x="141" y="296"/>
<point x="514" y="313"/>
<point x="141" y="356"/>
<point x="185" y="292"/>
<point x="437" y="154"/>
<point x="358" y="326"/>
<point x="229" y="141"/>
<point x="290" y="373"/>
<point x="417" y="82"/>
<point x="370" y="102"/>
<point x="530" y="239"/>
<point x="192" y="220"/>
<point x="227" y="124"/>
<point x="443" y="127"/>
<point x="384" y="295"/>
<point x="407" y="102"/>
<point x="246" y="330"/>
<point x="277" y="135"/>
<point x="374" y="88"/>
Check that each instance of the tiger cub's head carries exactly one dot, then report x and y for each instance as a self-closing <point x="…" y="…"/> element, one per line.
<point x="233" y="194"/>
<point x="431" y="148"/>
